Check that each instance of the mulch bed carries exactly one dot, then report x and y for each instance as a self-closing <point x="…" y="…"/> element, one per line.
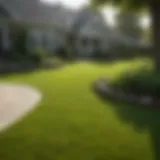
<point x="105" y="91"/>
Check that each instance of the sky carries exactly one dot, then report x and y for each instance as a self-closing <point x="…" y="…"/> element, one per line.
<point x="108" y="12"/>
<point x="75" y="4"/>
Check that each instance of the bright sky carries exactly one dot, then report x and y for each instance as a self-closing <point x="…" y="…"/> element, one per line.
<point x="75" y="4"/>
<point x="108" y="12"/>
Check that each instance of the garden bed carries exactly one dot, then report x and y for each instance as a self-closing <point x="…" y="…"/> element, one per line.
<point x="104" y="90"/>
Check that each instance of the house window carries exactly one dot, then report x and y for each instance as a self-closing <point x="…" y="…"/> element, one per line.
<point x="45" y="41"/>
<point x="95" y="43"/>
<point x="84" y="42"/>
<point x="34" y="39"/>
<point x="48" y="41"/>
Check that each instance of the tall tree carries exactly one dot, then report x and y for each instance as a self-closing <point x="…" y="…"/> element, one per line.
<point x="129" y="25"/>
<point x="154" y="8"/>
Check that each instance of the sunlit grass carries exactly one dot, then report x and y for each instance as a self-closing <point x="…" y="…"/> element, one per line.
<point x="72" y="123"/>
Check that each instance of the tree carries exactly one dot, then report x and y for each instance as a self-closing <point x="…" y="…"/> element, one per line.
<point x="154" y="9"/>
<point x="128" y="25"/>
<point x="147" y="35"/>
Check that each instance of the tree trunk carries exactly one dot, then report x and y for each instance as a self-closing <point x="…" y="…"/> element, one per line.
<point x="155" y="13"/>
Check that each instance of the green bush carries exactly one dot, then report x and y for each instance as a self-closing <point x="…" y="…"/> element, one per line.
<point x="62" y="53"/>
<point x="57" y="60"/>
<point x="18" y="49"/>
<point x="51" y="62"/>
<point x="38" y="55"/>
<point x="141" y="82"/>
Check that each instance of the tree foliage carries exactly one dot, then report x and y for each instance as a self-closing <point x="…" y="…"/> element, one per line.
<point x="129" y="25"/>
<point x="129" y="5"/>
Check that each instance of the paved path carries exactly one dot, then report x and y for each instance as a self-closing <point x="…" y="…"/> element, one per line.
<point x="16" y="101"/>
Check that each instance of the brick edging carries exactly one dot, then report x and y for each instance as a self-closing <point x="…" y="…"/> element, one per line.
<point x="101" y="87"/>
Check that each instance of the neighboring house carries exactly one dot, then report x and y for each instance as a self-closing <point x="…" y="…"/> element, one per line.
<point x="89" y="26"/>
<point x="93" y="34"/>
<point x="86" y="22"/>
<point x="35" y="12"/>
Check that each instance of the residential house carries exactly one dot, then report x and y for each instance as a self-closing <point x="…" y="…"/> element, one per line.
<point x="85" y="23"/>
<point x="89" y="26"/>
<point x="39" y="14"/>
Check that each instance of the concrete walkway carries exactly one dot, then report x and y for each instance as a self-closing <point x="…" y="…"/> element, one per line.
<point x="16" y="101"/>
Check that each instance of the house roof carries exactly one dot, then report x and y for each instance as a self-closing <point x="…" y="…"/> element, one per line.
<point x="94" y="24"/>
<point x="35" y="11"/>
<point x="38" y="12"/>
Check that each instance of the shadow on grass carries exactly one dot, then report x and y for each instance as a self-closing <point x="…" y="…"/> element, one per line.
<point x="114" y="60"/>
<point x="24" y="71"/>
<point x="142" y="118"/>
<point x="5" y="74"/>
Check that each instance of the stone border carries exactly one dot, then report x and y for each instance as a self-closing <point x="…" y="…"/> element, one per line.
<point x="105" y="91"/>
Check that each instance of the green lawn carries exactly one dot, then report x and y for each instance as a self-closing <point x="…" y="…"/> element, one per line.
<point x="72" y="123"/>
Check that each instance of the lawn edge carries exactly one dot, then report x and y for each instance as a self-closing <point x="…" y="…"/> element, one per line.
<point x="105" y="91"/>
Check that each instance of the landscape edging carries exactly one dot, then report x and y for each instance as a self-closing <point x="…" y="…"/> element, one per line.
<point x="101" y="87"/>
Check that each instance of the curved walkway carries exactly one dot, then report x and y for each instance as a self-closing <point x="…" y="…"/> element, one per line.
<point x="16" y="100"/>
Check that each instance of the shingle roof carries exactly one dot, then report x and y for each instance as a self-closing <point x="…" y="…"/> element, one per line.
<point x="35" y="11"/>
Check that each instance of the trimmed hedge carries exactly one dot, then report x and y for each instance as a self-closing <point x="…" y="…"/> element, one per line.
<point x="144" y="81"/>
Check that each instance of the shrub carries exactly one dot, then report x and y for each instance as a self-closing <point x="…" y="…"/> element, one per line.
<point x="18" y="49"/>
<point x="38" y="55"/>
<point x="57" y="60"/>
<point x="52" y="62"/>
<point x="141" y="82"/>
<point x="62" y="52"/>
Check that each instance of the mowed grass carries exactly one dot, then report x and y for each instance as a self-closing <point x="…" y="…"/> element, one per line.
<point x="72" y="123"/>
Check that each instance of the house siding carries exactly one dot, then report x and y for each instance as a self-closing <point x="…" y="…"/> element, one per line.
<point x="48" y="40"/>
<point x="4" y="29"/>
